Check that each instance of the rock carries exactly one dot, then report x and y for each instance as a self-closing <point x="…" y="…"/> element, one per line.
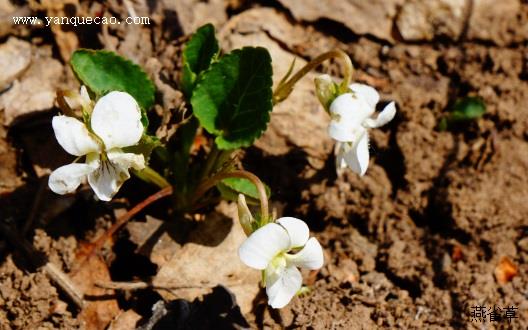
<point x="15" y="57"/>
<point x="424" y="20"/>
<point x="373" y="17"/>
<point x="35" y="90"/>
<point x="299" y="121"/>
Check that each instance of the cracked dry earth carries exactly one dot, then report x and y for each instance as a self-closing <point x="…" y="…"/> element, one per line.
<point x="418" y="241"/>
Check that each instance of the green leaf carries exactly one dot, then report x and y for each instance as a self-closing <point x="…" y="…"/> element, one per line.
<point x="104" y="71"/>
<point x="231" y="187"/>
<point x="233" y="98"/>
<point x="198" y="54"/>
<point x="467" y="108"/>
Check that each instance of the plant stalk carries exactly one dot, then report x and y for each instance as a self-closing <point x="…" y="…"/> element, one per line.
<point x="214" y="180"/>
<point x="121" y="221"/>
<point x="148" y="174"/>
<point x="283" y="90"/>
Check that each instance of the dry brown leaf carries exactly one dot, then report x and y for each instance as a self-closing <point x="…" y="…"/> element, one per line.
<point x="194" y="13"/>
<point x="67" y="41"/>
<point x="100" y="308"/>
<point x="208" y="259"/>
<point x="154" y="239"/>
<point x="15" y="57"/>
<point x="505" y="270"/>
<point x="125" y="321"/>
<point x="7" y="11"/>
<point x="35" y="90"/>
<point x="373" y="17"/>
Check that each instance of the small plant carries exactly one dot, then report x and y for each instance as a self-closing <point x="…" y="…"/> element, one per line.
<point x="230" y="97"/>
<point x="464" y="110"/>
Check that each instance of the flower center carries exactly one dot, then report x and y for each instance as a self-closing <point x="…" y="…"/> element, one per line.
<point x="278" y="262"/>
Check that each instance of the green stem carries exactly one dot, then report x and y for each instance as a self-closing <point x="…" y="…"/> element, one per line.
<point x="283" y="90"/>
<point x="151" y="176"/>
<point x="214" y="180"/>
<point x="210" y="162"/>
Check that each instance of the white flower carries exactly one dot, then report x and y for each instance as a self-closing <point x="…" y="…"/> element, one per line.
<point x="269" y="248"/>
<point x="115" y="123"/>
<point x="351" y="118"/>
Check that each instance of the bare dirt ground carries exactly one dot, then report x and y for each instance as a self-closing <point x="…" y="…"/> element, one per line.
<point x="437" y="227"/>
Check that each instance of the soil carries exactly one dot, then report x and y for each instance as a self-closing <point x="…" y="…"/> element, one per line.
<point x="437" y="226"/>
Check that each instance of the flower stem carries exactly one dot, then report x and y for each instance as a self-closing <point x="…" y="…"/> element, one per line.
<point x="284" y="89"/>
<point x="214" y="180"/>
<point x="148" y="174"/>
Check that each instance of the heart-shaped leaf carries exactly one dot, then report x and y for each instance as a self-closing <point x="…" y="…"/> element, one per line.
<point x="198" y="54"/>
<point x="104" y="71"/>
<point x="233" y="98"/>
<point x="231" y="187"/>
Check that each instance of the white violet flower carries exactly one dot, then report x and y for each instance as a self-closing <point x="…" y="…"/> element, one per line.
<point x="351" y="115"/>
<point x="272" y="248"/>
<point x="115" y="123"/>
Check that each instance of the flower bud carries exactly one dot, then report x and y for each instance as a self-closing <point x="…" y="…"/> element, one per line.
<point x="244" y="215"/>
<point x="74" y="103"/>
<point x="326" y="90"/>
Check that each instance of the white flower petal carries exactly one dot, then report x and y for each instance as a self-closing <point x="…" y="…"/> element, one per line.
<point x="67" y="178"/>
<point x="282" y="289"/>
<point x="311" y="256"/>
<point x="73" y="136"/>
<point x="384" y="116"/>
<point x="116" y="119"/>
<point x="348" y="113"/>
<point x="340" y="150"/>
<point x="297" y="230"/>
<point x="265" y="243"/>
<point x="357" y="158"/>
<point x="126" y="160"/>
<point x="367" y="93"/>
<point x="107" y="179"/>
